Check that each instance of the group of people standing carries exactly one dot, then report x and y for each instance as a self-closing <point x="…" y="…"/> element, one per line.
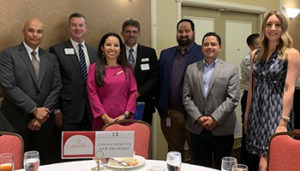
<point x="80" y="88"/>
<point x="74" y="87"/>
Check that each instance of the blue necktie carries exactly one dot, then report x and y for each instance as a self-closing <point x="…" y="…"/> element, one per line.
<point x="82" y="62"/>
<point x="131" y="57"/>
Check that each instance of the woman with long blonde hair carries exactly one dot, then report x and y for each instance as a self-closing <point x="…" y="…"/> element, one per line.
<point x="273" y="74"/>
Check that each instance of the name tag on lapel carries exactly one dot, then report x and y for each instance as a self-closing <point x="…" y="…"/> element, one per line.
<point x="145" y="67"/>
<point x="69" y="51"/>
<point x="145" y="60"/>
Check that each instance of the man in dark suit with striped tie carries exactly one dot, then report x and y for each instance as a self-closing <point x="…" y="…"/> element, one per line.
<point x="145" y="66"/>
<point x="74" y="56"/>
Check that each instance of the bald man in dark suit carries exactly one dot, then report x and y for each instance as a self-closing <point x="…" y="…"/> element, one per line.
<point x="30" y="82"/>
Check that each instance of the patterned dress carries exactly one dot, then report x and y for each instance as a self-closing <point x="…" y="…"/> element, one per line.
<point x="266" y="106"/>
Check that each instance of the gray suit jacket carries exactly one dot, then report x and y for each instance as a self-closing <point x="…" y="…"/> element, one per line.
<point x="222" y="97"/>
<point x="73" y="100"/>
<point x="21" y="90"/>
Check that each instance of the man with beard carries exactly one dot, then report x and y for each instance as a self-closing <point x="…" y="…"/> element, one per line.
<point x="172" y="66"/>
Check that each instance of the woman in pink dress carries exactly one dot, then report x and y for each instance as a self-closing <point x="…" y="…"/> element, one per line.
<point x="111" y="84"/>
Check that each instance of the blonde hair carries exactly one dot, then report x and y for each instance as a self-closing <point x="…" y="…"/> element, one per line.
<point x="285" y="41"/>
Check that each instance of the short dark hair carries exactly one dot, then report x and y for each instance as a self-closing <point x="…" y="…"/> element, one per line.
<point x="131" y="22"/>
<point x="212" y="34"/>
<point x="187" y="20"/>
<point x="76" y="14"/>
<point x="250" y="39"/>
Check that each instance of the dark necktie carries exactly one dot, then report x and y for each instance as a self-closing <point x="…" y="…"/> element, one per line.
<point x="131" y="57"/>
<point x="36" y="64"/>
<point x="82" y="62"/>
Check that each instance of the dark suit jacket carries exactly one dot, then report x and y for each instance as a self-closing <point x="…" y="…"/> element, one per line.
<point x="5" y="125"/>
<point x="146" y="74"/>
<point x="21" y="90"/>
<point x="165" y="71"/>
<point x="73" y="101"/>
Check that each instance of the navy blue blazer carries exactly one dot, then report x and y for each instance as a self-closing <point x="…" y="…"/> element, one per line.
<point x="165" y="67"/>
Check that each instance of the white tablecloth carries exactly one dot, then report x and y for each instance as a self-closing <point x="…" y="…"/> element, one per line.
<point x="86" y="165"/>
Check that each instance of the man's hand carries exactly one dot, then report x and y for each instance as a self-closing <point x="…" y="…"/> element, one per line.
<point x="41" y="114"/>
<point x="210" y="123"/>
<point x="58" y="119"/>
<point x="34" y="125"/>
<point x="202" y="119"/>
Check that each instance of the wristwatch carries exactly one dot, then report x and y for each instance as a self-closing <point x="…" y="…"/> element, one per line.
<point x="126" y="116"/>
<point x="286" y="118"/>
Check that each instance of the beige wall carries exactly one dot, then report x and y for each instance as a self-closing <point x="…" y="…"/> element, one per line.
<point x="268" y="4"/>
<point x="294" y="24"/>
<point x="102" y="16"/>
<point x="167" y="18"/>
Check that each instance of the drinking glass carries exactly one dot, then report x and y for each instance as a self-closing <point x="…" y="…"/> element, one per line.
<point x="227" y="163"/>
<point x="6" y="162"/>
<point x="173" y="161"/>
<point x="240" y="167"/>
<point x="31" y="160"/>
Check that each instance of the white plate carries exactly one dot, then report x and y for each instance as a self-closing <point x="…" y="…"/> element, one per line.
<point x="140" y="159"/>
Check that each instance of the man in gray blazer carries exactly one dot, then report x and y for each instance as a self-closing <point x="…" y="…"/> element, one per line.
<point x="210" y="94"/>
<point x="74" y="57"/>
<point x="30" y="82"/>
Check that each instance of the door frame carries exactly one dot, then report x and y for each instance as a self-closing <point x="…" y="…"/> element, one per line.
<point x="222" y="6"/>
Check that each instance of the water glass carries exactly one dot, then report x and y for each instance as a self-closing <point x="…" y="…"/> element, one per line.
<point x="173" y="161"/>
<point x="228" y="163"/>
<point x="240" y="167"/>
<point x="31" y="161"/>
<point x="6" y="162"/>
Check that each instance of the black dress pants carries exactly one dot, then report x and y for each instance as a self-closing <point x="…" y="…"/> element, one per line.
<point x="207" y="147"/>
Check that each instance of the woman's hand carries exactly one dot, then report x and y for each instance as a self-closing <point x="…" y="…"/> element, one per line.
<point x="282" y="126"/>
<point x="121" y="117"/>
<point x="107" y="119"/>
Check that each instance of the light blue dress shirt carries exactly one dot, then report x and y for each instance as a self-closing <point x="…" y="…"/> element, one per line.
<point x="208" y="70"/>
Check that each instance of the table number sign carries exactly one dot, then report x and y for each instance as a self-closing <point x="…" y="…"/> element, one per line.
<point x="100" y="144"/>
<point x="114" y="144"/>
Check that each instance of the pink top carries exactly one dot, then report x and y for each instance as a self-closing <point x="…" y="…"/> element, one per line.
<point x="116" y="96"/>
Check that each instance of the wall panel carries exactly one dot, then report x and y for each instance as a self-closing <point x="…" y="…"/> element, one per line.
<point x="102" y="16"/>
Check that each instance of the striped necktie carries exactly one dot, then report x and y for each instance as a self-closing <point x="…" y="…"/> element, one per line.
<point x="131" y="57"/>
<point x="82" y="62"/>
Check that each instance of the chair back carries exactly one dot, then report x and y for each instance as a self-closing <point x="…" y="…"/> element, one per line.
<point x="284" y="152"/>
<point x="12" y="143"/>
<point x="142" y="134"/>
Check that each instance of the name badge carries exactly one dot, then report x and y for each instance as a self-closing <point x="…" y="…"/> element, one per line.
<point x="69" y="51"/>
<point x="145" y="60"/>
<point x="168" y="122"/>
<point x="145" y="67"/>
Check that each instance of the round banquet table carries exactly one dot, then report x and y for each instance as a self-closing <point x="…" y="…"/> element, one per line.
<point x="86" y="165"/>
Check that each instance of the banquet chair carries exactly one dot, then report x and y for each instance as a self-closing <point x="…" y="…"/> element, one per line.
<point x="142" y="134"/>
<point x="12" y="143"/>
<point x="284" y="152"/>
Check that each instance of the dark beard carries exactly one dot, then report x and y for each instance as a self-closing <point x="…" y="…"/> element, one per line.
<point x="186" y="42"/>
